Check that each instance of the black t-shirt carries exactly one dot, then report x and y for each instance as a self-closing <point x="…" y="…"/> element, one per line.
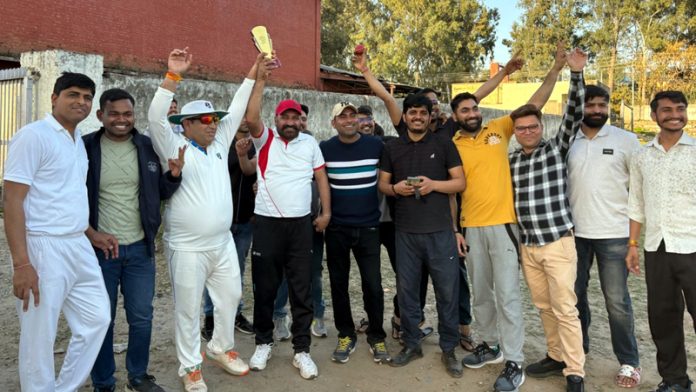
<point x="431" y="157"/>
<point x="242" y="187"/>
<point x="446" y="129"/>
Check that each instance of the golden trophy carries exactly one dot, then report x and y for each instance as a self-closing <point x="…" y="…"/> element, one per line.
<point x="264" y="44"/>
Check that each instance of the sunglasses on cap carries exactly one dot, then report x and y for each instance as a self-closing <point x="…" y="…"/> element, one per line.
<point x="206" y="119"/>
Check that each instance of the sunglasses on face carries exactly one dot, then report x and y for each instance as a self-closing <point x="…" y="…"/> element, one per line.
<point x="364" y="119"/>
<point x="207" y="119"/>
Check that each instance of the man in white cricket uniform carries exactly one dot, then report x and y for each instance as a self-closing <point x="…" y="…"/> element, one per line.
<point x="46" y="215"/>
<point x="199" y="246"/>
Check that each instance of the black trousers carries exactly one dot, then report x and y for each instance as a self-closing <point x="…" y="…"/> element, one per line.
<point x="364" y="242"/>
<point x="282" y="246"/>
<point x="438" y="253"/>
<point x="671" y="279"/>
<point x="387" y="237"/>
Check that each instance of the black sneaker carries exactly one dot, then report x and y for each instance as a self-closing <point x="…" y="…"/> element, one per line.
<point x="145" y="383"/>
<point x="665" y="387"/>
<point x="510" y="378"/>
<point x="405" y="356"/>
<point x="452" y="364"/>
<point x="545" y="368"/>
<point x="345" y="347"/>
<point x="105" y="389"/>
<point x="243" y="325"/>
<point x="575" y="384"/>
<point x="483" y="355"/>
<point x="208" y="326"/>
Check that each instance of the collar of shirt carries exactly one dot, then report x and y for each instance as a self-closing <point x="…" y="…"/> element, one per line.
<point x="604" y="131"/>
<point x="684" y="139"/>
<point x="406" y="139"/>
<point x="55" y="125"/>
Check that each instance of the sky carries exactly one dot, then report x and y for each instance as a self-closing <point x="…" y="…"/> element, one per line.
<point x="509" y="13"/>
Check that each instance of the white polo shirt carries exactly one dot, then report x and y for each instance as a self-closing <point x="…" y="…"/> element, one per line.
<point x="284" y="174"/>
<point x="44" y="156"/>
<point x="598" y="177"/>
<point x="198" y="217"/>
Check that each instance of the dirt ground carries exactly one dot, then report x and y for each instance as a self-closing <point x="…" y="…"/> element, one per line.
<point x="360" y="373"/>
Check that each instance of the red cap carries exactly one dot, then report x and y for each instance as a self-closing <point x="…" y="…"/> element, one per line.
<point x="288" y="104"/>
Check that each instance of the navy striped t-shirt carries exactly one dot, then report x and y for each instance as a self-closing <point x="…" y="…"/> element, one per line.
<point x="352" y="170"/>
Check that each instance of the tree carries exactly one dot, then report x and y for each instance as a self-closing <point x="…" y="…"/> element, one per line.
<point x="409" y="40"/>
<point x="542" y="25"/>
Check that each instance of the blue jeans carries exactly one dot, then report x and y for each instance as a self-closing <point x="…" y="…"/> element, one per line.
<point x="134" y="270"/>
<point x="242" y="234"/>
<point x="279" y="308"/>
<point x="611" y="265"/>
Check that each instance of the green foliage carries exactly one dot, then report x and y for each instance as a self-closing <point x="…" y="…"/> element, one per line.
<point x="408" y="40"/>
<point x="543" y="24"/>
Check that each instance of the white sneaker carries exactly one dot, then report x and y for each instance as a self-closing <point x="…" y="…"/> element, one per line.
<point x="229" y="362"/>
<point x="318" y="328"/>
<point x="261" y="356"/>
<point x="303" y="361"/>
<point x="281" y="332"/>
<point x="193" y="382"/>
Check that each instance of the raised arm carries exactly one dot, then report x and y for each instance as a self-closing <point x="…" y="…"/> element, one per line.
<point x="541" y="96"/>
<point x="163" y="139"/>
<point x="360" y="62"/>
<point x="261" y="73"/>
<point x="576" y="101"/>
<point x="491" y="84"/>
<point x="237" y="110"/>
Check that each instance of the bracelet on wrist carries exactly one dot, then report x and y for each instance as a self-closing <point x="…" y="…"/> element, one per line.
<point x="173" y="76"/>
<point x="394" y="190"/>
<point x="633" y="243"/>
<point x="21" y="266"/>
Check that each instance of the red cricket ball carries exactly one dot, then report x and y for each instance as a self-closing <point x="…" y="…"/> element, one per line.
<point x="359" y="49"/>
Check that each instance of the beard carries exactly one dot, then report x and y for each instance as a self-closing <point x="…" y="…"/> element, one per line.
<point x="287" y="132"/>
<point x="595" y="121"/>
<point x="468" y="127"/>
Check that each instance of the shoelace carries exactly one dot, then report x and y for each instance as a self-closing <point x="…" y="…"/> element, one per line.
<point x="343" y="344"/>
<point x="481" y="349"/>
<point x="380" y="348"/>
<point x="232" y="355"/>
<point x="509" y="371"/>
<point x="195" y="375"/>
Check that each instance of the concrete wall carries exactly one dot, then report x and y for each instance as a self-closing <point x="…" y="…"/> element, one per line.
<point x="142" y="86"/>
<point x="138" y="35"/>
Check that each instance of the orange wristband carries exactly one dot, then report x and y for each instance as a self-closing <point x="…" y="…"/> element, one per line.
<point x="173" y="76"/>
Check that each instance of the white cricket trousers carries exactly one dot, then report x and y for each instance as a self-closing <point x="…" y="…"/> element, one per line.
<point x="70" y="281"/>
<point x="192" y="271"/>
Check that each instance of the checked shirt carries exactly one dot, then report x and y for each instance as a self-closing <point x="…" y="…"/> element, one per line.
<point x="540" y="179"/>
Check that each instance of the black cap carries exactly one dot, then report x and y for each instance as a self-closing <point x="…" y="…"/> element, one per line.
<point x="365" y="109"/>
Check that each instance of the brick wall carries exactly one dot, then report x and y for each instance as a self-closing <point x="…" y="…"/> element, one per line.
<point x="138" y="35"/>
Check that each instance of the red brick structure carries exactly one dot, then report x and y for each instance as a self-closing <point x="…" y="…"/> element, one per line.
<point x="137" y="35"/>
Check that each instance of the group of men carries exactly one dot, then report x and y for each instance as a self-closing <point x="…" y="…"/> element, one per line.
<point x="460" y="207"/>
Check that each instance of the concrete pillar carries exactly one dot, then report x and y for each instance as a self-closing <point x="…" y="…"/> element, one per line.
<point x="50" y="64"/>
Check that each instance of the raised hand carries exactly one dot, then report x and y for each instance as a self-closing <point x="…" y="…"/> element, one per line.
<point x="179" y="61"/>
<point x="515" y="64"/>
<point x="560" y="57"/>
<point x="176" y="165"/>
<point x="576" y="60"/>
<point x="360" y="61"/>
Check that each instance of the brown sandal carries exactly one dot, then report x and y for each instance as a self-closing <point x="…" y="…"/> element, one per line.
<point x="467" y="342"/>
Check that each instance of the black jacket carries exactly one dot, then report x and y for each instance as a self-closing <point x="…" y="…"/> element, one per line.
<point x="154" y="185"/>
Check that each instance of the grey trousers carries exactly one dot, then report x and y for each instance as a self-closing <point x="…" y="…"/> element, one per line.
<point x="494" y="273"/>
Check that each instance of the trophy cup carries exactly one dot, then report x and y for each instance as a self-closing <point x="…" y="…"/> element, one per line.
<point x="264" y="44"/>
